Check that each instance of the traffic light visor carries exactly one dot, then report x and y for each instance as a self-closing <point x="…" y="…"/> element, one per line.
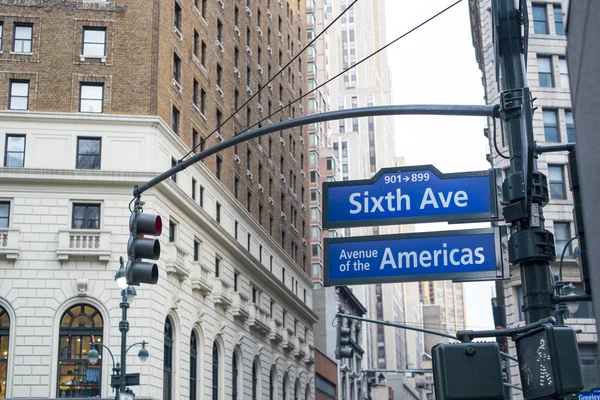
<point x="145" y="224"/>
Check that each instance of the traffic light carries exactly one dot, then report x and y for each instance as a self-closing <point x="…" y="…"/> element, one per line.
<point x="343" y="349"/>
<point x="549" y="362"/>
<point x="467" y="371"/>
<point x="139" y="247"/>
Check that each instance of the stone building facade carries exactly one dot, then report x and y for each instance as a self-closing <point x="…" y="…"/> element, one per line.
<point x="230" y="313"/>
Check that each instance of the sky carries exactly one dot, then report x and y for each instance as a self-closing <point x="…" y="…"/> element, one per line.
<point x="436" y="65"/>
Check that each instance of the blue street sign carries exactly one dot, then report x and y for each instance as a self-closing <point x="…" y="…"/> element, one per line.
<point x="475" y="254"/>
<point x="594" y="394"/>
<point x="411" y="195"/>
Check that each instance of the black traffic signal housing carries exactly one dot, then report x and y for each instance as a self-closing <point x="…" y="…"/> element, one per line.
<point x="467" y="371"/>
<point x="139" y="247"/>
<point x="549" y="362"/>
<point x="343" y="348"/>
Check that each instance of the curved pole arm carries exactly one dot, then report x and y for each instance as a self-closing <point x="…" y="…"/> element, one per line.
<point x="106" y="347"/>
<point x="143" y="343"/>
<point x="562" y="257"/>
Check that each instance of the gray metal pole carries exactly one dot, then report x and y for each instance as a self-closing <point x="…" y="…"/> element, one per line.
<point x="123" y="327"/>
<point x="426" y="109"/>
<point x="532" y="247"/>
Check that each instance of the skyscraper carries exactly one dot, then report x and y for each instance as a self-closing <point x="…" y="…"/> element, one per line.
<point x="548" y="79"/>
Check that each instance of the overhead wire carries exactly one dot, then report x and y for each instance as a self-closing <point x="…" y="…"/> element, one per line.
<point x="202" y="141"/>
<point x="353" y="66"/>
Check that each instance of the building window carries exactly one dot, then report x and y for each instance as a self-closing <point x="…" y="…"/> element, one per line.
<point x="196" y="250"/>
<point x="23" y="38"/>
<point x="94" y="42"/>
<point x="85" y="216"/>
<point x="168" y="361"/>
<point x="564" y="73"/>
<point x="550" y="118"/>
<point x="203" y="54"/>
<point x="204" y="9"/>
<point x="19" y="95"/>
<point x="545" y="71"/>
<point x="273" y="384"/>
<point x="286" y="386"/>
<point x="88" y="153"/>
<point x="215" y="372"/>
<point x="196" y="44"/>
<point x="219" y="30"/>
<point x="255" y="378"/>
<point x="234" y="376"/>
<point x="4" y="346"/>
<point x="176" y="68"/>
<point x="562" y="235"/>
<point x="570" y="126"/>
<point x="177" y="17"/>
<point x="1" y="42"/>
<point x="173" y="165"/>
<point x="172" y="231"/>
<point x="218" y="167"/>
<point x="219" y="73"/>
<point x="201" y="199"/>
<point x="556" y="178"/>
<point x="588" y="354"/>
<point x="540" y="24"/>
<point x="4" y="221"/>
<point x="91" y="98"/>
<point x="77" y="327"/>
<point x="218" y="213"/>
<point x="194" y="182"/>
<point x="217" y="266"/>
<point x="14" y="151"/>
<point x="559" y="25"/>
<point x="175" y="120"/>
<point x="193" y="366"/>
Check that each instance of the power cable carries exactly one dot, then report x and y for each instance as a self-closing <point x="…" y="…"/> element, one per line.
<point x="268" y="82"/>
<point x="496" y="143"/>
<point x="358" y="63"/>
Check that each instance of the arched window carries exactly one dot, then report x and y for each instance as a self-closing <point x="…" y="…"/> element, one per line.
<point x="215" y="372"/>
<point x="286" y="386"/>
<point x="297" y="390"/>
<point x="255" y="379"/>
<point x="234" y="376"/>
<point x="4" y="334"/>
<point x="307" y="392"/>
<point x="273" y="384"/>
<point x="193" y="365"/>
<point x="76" y="376"/>
<point x="168" y="361"/>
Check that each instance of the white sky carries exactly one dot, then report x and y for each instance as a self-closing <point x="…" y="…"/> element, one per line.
<point x="436" y="65"/>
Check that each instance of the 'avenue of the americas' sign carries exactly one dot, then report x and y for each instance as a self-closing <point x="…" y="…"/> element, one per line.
<point x="409" y="195"/>
<point x="458" y="255"/>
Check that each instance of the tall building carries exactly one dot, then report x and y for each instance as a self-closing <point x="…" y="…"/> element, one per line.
<point x="101" y="95"/>
<point x="448" y="299"/>
<point x="548" y="79"/>
<point x="327" y="303"/>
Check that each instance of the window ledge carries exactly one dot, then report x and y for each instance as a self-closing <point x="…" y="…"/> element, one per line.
<point x="258" y="320"/>
<point x="200" y="279"/>
<point x="176" y="262"/>
<point x="83" y="57"/>
<point x="20" y="54"/>
<point x="9" y="243"/>
<point x="83" y="243"/>
<point x="221" y="293"/>
<point x="239" y="308"/>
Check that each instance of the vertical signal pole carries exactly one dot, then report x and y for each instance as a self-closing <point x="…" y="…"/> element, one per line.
<point x="525" y="190"/>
